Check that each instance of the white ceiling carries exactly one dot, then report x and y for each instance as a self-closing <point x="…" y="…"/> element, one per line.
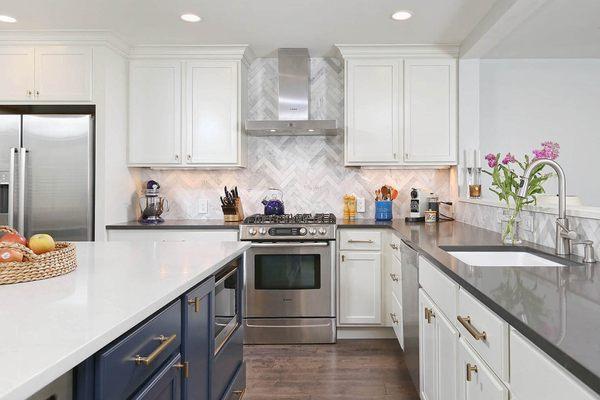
<point x="559" y="29"/>
<point x="264" y="24"/>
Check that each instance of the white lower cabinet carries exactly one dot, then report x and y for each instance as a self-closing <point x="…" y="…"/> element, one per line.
<point x="475" y="380"/>
<point x="535" y="376"/>
<point x="438" y="341"/>
<point x="360" y="288"/>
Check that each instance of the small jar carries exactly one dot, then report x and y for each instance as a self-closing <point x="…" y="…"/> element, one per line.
<point x="430" y="216"/>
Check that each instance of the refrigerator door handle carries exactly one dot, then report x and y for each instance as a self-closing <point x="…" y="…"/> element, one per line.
<point x="22" y="172"/>
<point x="11" y="187"/>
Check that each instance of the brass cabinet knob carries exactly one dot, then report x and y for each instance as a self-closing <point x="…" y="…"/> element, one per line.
<point x="185" y="366"/>
<point x="429" y="314"/>
<point x="470" y="369"/>
<point x="196" y="303"/>
<point x="394" y="277"/>
<point x="393" y="317"/>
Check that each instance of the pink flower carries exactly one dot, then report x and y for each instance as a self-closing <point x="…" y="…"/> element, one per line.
<point x="508" y="158"/>
<point x="549" y="150"/>
<point x="492" y="160"/>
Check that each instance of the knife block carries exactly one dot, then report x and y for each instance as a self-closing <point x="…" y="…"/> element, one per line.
<point x="233" y="213"/>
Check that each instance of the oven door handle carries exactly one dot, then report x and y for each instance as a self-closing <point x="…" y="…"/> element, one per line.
<point x="300" y="244"/>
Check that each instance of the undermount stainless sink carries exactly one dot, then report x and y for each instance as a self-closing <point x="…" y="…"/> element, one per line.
<point x="505" y="257"/>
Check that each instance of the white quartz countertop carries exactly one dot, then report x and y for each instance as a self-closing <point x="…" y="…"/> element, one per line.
<point x="48" y="327"/>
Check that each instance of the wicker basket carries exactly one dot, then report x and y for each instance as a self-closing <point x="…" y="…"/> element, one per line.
<point x="35" y="267"/>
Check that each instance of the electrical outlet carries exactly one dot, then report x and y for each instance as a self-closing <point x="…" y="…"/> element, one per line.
<point x="203" y="206"/>
<point x="360" y="204"/>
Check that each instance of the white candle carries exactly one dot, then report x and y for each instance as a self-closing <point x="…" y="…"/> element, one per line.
<point x="477" y="158"/>
<point x="469" y="162"/>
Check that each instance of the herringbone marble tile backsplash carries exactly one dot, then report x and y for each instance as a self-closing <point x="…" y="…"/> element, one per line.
<point x="309" y="170"/>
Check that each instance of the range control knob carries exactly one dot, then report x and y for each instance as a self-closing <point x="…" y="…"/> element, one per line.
<point x="262" y="231"/>
<point x="252" y="231"/>
<point x="302" y="231"/>
<point x="312" y="231"/>
<point x="322" y="231"/>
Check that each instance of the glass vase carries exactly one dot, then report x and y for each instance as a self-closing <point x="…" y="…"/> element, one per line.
<point x="510" y="226"/>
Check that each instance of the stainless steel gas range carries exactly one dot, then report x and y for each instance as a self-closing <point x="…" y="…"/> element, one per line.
<point x="289" y="279"/>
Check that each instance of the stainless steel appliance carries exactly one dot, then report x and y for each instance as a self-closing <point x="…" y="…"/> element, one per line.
<point x="409" y="258"/>
<point x="418" y="205"/>
<point x="152" y="204"/>
<point x="290" y="279"/>
<point x="227" y="304"/>
<point x="47" y="169"/>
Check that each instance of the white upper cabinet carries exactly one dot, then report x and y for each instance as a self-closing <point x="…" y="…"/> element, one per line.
<point x="430" y="97"/>
<point x="373" y="111"/>
<point x="155" y="112"/>
<point x="16" y="62"/>
<point x="46" y="73"/>
<point x="63" y="73"/>
<point x="213" y="120"/>
<point x="400" y="105"/>
<point x="187" y="107"/>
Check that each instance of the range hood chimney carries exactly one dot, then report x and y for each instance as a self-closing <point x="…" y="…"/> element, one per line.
<point x="294" y="104"/>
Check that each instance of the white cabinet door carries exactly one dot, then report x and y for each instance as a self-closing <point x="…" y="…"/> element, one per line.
<point x="475" y="380"/>
<point x="373" y="111"/>
<point x="155" y="112"/>
<point x="360" y="287"/>
<point x="213" y="126"/>
<point x="447" y="353"/>
<point x="427" y="349"/>
<point x="430" y="118"/>
<point x="63" y="73"/>
<point x="535" y="376"/>
<point x="16" y="70"/>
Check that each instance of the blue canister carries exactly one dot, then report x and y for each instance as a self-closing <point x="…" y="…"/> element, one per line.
<point x="383" y="210"/>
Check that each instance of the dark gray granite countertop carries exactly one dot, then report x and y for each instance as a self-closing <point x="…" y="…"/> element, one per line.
<point x="179" y="224"/>
<point x="557" y="308"/>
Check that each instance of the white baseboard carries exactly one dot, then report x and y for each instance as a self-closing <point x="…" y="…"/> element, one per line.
<point x="361" y="332"/>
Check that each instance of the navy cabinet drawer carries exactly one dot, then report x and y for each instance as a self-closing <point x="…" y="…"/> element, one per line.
<point x="119" y="369"/>
<point x="226" y="363"/>
<point x="237" y="387"/>
<point x="165" y="385"/>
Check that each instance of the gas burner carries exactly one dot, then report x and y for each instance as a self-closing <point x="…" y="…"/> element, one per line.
<point x="259" y="219"/>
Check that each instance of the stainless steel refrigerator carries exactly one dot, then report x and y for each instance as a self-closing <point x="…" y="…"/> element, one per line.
<point x="47" y="172"/>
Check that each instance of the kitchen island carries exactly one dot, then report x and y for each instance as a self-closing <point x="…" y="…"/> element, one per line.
<point x="51" y="326"/>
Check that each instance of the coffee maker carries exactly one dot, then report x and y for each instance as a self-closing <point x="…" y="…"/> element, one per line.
<point x="418" y="205"/>
<point x="152" y="204"/>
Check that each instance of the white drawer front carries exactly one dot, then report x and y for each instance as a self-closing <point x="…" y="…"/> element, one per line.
<point x="360" y="239"/>
<point x="396" y="317"/>
<point x="395" y="277"/>
<point x="535" y="376"/>
<point x="479" y="383"/>
<point x="442" y="290"/>
<point x="172" y="235"/>
<point x="485" y="331"/>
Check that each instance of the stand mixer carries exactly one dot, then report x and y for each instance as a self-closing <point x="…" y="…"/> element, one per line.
<point x="152" y="205"/>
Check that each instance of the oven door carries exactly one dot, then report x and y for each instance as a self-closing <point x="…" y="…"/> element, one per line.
<point x="290" y="279"/>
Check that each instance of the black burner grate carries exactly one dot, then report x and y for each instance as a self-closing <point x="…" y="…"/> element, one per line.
<point x="259" y="219"/>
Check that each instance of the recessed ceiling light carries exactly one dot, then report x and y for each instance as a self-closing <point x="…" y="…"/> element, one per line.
<point x="272" y="130"/>
<point x="190" y="18"/>
<point x="401" y="15"/>
<point x="6" y="18"/>
<point x="311" y="130"/>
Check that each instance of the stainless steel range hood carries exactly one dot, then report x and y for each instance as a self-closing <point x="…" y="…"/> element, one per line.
<point x="294" y="104"/>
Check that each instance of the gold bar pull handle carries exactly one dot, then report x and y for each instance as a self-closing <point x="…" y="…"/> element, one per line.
<point x="185" y="366"/>
<point x="470" y="369"/>
<point x="393" y="317"/>
<point x="164" y="343"/>
<point x="239" y="393"/>
<point x="466" y="322"/>
<point x="360" y="241"/>
<point x="429" y="314"/>
<point x="196" y="303"/>
<point x="394" y="277"/>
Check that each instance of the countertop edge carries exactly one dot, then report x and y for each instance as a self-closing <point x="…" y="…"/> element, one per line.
<point x="35" y="383"/>
<point x="574" y="367"/>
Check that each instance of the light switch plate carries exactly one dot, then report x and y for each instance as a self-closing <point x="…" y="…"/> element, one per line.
<point x="203" y="206"/>
<point x="360" y="204"/>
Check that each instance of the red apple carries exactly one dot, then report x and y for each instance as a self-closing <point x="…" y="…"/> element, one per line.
<point x="9" y="255"/>
<point x="14" y="238"/>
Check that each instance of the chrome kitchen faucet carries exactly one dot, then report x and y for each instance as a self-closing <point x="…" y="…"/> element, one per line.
<point x="565" y="237"/>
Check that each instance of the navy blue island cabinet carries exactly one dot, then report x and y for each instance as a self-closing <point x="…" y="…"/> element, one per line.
<point x="191" y="349"/>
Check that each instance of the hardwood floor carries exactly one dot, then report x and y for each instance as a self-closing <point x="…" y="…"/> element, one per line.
<point x="349" y="370"/>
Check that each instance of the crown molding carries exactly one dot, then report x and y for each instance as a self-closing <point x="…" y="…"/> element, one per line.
<point x="66" y="37"/>
<point x="214" y="52"/>
<point x="398" y="50"/>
